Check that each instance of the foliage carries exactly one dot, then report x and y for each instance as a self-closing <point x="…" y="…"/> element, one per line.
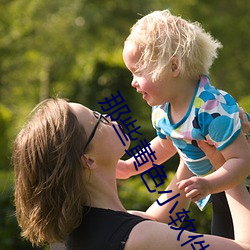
<point x="133" y="193"/>
<point x="9" y="231"/>
<point x="135" y="196"/>
<point x="5" y="123"/>
<point x="230" y="71"/>
<point x="73" y="49"/>
<point x="245" y="103"/>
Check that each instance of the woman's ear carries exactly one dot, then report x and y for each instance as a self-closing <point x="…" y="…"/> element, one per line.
<point x="90" y="161"/>
<point x="175" y="66"/>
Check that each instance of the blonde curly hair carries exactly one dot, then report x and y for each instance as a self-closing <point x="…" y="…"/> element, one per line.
<point x="160" y="36"/>
<point x="49" y="180"/>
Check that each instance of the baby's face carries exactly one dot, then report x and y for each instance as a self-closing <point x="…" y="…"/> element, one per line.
<point x="154" y="93"/>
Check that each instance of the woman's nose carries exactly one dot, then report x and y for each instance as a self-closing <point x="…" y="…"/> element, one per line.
<point x="107" y="116"/>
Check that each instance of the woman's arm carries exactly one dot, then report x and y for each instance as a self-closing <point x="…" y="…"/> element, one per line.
<point x="161" y="213"/>
<point x="239" y="203"/>
<point x="159" y="236"/>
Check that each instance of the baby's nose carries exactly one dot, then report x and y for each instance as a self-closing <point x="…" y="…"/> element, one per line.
<point x="134" y="83"/>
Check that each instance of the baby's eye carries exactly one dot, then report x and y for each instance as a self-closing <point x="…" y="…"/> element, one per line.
<point x="137" y="73"/>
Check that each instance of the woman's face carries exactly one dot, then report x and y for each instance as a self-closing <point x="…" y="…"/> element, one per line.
<point x="105" y="141"/>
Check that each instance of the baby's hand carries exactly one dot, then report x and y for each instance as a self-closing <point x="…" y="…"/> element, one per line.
<point x="194" y="187"/>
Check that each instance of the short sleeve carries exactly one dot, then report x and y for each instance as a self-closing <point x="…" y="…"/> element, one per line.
<point x="159" y="121"/>
<point x="219" y="120"/>
<point x="162" y="136"/>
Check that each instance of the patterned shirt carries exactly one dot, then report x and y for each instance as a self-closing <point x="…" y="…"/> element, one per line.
<point x="213" y="115"/>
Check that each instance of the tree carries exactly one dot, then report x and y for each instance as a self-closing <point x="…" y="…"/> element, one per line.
<point x="72" y="48"/>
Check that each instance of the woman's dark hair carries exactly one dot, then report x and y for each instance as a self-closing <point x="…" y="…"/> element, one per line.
<point x="49" y="180"/>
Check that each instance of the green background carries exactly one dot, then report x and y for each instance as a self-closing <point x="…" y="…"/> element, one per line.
<point x="72" y="48"/>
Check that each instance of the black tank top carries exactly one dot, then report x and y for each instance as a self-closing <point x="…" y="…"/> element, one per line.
<point x="102" y="229"/>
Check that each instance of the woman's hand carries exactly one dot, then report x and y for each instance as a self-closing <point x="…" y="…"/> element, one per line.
<point x="245" y="124"/>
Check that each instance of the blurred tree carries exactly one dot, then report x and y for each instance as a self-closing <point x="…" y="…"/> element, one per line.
<point x="5" y="123"/>
<point x="228" y="21"/>
<point x="72" y="48"/>
<point x="50" y="47"/>
<point x="10" y="238"/>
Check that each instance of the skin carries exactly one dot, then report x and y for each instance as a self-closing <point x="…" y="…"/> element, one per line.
<point x="234" y="171"/>
<point x="216" y="159"/>
<point x="100" y="160"/>
<point x="245" y="122"/>
<point x="102" y="157"/>
<point x="178" y="91"/>
<point x="167" y="89"/>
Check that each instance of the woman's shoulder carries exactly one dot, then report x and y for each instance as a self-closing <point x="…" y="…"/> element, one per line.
<point x="153" y="235"/>
<point x="110" y="227"/>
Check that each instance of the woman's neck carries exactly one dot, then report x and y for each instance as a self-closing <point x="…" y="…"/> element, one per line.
<point x="102" y="189"/>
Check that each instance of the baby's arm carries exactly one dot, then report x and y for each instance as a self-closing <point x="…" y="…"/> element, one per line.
<point x="236" y="168"/>
<point x="234" y="171"/>
<point x="161" y="213"/>
<point x="164" y="150"/>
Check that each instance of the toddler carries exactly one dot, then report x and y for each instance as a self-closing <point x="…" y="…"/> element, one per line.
<point x="170" y="59"/>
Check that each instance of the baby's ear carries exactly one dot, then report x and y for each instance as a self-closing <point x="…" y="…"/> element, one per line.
<point x="175" y="66"/>
<point x="91" y="164"/>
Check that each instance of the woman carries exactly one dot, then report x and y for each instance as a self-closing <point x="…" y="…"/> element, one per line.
<point x="65" y="188"/>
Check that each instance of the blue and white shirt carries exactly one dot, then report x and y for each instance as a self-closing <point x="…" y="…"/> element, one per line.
<point x="213" y="115"/>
